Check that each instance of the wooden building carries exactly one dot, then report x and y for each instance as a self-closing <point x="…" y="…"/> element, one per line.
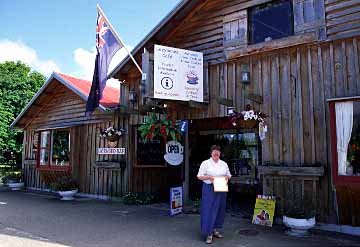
<point x="302" y="57"/>
<point x="60" y="140"/>
<point x="303" y="60"/>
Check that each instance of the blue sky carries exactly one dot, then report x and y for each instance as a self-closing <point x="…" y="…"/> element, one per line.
<point x="60" y="34"/>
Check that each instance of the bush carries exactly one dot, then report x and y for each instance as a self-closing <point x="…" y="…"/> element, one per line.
<point x="141" y="198"/>
<point x="64" y="183"/>
<point x="299" y="208"/>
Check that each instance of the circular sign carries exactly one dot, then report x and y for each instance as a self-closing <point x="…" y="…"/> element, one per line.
<point x="167" y="83"/>
<point x="174" y="153"/>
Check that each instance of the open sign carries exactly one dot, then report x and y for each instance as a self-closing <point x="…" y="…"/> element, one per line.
<point x="176" y="149"/>
<point x="174" y="153"/>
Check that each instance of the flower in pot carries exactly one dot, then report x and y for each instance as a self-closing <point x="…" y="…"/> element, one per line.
<point x="14" y="180"/>
<point x="112" y="134"/>
<point x="250" y="118"/>
<point x="66" y="186"/>
<point x="299" y="216"/>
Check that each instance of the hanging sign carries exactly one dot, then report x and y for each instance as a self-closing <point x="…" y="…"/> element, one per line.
<point x="111" y="151"/>
<point x="174" y="153"/>
<point x="264" y="210"/>
<point x="176" y="200"/>
<point x="178" y="74"/>
<point x="184" y="126"/>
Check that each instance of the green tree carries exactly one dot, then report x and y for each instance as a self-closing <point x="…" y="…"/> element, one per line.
<point x="18" y="84"/>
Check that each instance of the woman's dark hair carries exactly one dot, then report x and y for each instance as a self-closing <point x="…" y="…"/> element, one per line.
<point x="215" y="147"/>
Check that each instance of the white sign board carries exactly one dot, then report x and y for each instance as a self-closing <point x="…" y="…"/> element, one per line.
<point x="178" y="74"/>
<point x="111" y="151"/>
<point x="176" y="200"/>
<point x="174" y="153"/>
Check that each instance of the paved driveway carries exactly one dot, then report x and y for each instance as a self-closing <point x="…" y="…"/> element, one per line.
<point x="32" y="219"/>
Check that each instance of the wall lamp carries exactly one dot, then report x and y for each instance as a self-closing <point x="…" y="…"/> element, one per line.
<point x="245" y="74"/>
<point x="132" y="96"/>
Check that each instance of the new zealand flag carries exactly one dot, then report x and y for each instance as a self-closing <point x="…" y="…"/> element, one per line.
<point x="106" y="46"/>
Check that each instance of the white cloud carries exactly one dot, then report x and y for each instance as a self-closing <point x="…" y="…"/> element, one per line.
<point x="85" y="60"/>
<point x="17" y="51"/>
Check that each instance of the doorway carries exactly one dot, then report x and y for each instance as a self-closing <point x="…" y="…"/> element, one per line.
<point x="240" y="149"/>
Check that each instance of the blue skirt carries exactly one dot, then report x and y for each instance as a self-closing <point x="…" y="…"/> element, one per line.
<point x="213" y="206"/>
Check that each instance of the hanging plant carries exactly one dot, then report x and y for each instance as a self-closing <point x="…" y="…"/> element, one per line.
<point x="112" y="134"/>
<point x="164" y="128"/>
<point x="251" y="114"/>
<point x="248" y="114"/>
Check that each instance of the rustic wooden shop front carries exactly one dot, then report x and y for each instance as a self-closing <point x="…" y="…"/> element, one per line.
<point x="311" y="60"/>
<point x="316" y="58"/>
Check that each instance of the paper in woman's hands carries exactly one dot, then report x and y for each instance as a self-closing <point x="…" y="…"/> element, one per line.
<point x="220" y="184"/>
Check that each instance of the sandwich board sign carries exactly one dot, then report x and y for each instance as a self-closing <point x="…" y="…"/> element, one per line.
<point x="176" y="200"/>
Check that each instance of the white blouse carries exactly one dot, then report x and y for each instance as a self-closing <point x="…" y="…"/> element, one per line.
<point x="215" y="169"/>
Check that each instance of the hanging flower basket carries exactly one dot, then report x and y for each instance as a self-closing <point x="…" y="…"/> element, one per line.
<point x="112" y="134"/>
<point x="249" y="115"/>
<point x="112" y="138"/>
<point x="250" y="119"/>
<point x="164" y="128"/>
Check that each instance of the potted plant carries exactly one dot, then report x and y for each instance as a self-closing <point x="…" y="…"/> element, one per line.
<point x="299" y="216"/>
<point x="112" y="134"/>
<point x="14" y="180"/>
<point x="66" y="187"/>
<point x="250" y="118"/>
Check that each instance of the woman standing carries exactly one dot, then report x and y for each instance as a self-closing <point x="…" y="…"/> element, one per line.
<point x="213" y="204"/>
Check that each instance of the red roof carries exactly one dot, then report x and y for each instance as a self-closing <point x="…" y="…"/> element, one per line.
<point x="111" y="95"/>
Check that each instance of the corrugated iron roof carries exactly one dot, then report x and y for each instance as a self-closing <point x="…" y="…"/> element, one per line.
<point x="110" y="95"/>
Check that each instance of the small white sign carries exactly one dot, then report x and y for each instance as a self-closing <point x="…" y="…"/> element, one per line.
<point x="176" y="200"/>
<point x="174" y="153"/>
<point x="178" y="74"/>
<point x="111" y="151"/>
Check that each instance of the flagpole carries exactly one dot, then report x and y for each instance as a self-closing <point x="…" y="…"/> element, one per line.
<point x="118" y="37"/>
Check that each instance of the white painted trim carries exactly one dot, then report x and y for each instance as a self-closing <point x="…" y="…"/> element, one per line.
<point x="339" y="228"/>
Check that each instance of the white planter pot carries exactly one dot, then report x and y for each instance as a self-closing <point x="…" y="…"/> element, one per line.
<point x="16" y="186"/>
<point x="67" y="195"/>
<point x="298" y="227"/>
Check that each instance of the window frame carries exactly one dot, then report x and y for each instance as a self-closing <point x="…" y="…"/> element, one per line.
<point x="250" y="27"/>
<point x="49" y="165"/>
<point x="138" y="164"/>
<point x="339" y="179"/>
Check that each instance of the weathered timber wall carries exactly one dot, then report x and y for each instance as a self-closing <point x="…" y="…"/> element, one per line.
<point x="96" y="174"/>
<point x="65" y="108"/>
<point x="294" y="83"/>
<point x="342" y="18"/>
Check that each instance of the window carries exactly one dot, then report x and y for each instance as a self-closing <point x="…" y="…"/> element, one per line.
<point x="270" y="21"/>
<point x="345" y="130"/>
<point x="54" y="149"/>
<point x="150" y="153"/>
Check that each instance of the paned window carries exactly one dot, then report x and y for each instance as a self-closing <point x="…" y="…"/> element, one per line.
<point x="54" y="149"/>
<point x="269" y="21"/>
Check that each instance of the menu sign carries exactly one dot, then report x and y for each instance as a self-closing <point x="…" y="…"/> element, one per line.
<point x="178" y="74"/>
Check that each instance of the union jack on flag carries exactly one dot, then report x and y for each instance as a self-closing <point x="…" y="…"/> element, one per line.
<point x="101" y="30"/>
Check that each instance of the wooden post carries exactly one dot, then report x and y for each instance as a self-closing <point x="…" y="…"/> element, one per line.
<point x="186" y="167"/>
